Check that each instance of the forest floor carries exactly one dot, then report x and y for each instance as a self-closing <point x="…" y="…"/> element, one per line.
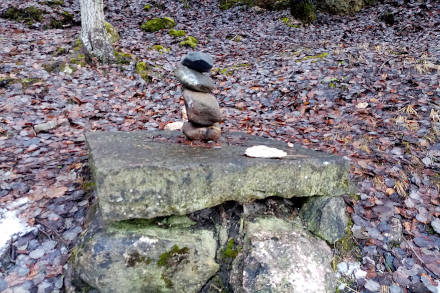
<point x="350" y="85"/>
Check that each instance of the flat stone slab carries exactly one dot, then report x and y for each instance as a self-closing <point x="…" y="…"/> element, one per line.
<point x="151" y="174"/>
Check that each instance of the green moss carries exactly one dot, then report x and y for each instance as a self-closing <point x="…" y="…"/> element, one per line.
<point x="173" y="257"/>
<point x="112" y="32"/>
<point x="88" y="185"/>
<point x="230" y="251"/>
<point x="227" y="4"/>
<point x="132" y="225"/>
<point x="303" y="10"/>
<point x="147" y="7"/>
<point x="287" y="21"/>
<point x="176" y="33"/>
<point x="157" y="24"/>
<point x="134" y="258"/>
<point x="55" y="3"/>
<point x="319" y="56"/>
<point x="77" y="45"/>
<point x="143" y="70"/>
<point x="189" y="41"/>
<point x="80" y="59"/>
<point x="27" y="15"/>
<point x="159" y="48"/>
<point x="122" y="57"/>
<point x="168" y="283"/>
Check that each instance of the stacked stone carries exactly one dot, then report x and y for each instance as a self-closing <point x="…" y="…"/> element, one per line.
<point x="201" y="106"/>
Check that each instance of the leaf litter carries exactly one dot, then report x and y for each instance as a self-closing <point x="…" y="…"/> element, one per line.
<point x="350" y="85"/>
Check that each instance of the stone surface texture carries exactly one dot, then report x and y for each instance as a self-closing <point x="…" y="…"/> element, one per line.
<point x="201" y="108"/>
<point x="279" y="256"/>
<point x="137" y="177"/>
<point x="196" y="132"/>
<point x="142" y="257"/>
<point x="198" y="61"/>
<point x="325" y="217"/>
<point x="194" y="80"/>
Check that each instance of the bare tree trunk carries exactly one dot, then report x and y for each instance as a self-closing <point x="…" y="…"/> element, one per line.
<point x="94" y="36"/>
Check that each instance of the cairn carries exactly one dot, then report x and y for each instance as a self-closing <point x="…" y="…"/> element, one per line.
<point x="201" y="106"/>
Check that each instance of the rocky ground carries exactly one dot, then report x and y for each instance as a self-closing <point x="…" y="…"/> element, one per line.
<point x="362" y="86"/>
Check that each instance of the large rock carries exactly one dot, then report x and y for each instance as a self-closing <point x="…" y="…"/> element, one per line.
<point x="194" y="80"/>
<point x="325" y="217"/>
<point x="198" y="61"/>
<point x="149" y="174"/>
<point x="279" y="256"/>
<point x="137" y="257"/>
<point x="201" y="108"/>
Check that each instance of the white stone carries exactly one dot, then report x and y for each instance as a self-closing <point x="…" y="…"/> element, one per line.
<point x="262" y="151"/>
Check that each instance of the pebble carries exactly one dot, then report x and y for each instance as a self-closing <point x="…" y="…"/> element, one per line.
<point x="195" y="132"/>
<point x="3" y="284"/>
<point x="199" y="61"/>
<point x="194" y="80"/>
<point x="372" y="286"/>
<point x="435" y="224"/>
<point x="45" y="126"/>
<point x="395" y="289"/>
<point x="37" y="253"/>
<point x="70" y="235"/>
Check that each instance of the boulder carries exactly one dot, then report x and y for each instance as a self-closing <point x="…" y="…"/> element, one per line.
<point x="193" y="79"/>
<point x="279" y="256"/>
<point x="149" y="174"/>
<point x="198" y="61"/>
<point x="139" y="256"/>
<point x="201" y="108"/>
<point x="195" y="132"/>
<point x="325" y="217"/>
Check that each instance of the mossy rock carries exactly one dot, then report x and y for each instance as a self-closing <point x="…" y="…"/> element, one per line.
<point x="343" y="7"/>
<point x="55" y="3"/>
<point x="112" y="32"/>
<point x="143" y="70"/>
<point x="189" y="41"/>
<point x="157" y="24"/>
<point x="288" y="21"/>
<point x="27" y="15"/>
<point x="159" y="48"/>
<point x="63" y="19"/>
<point x="122" y="57"/>
<point x="176" y="33"/>
<point x="303" y="10"/>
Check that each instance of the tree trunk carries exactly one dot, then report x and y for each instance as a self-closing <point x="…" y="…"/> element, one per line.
<point x="94" y="36"/>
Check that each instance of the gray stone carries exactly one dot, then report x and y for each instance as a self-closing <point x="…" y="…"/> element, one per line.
<point x="37" y="253"/>
<point x="143" y="257"/>
<point x="279" y="256"/>
<point x="70" y="235"/>
<point x="42" y="127"/>
<point x="137" y="177"/>
<point x="199" y="61"/>
<point x="201" y="108"/>
<point x="435" y="224"/>
<point x="3" y="284"/>
<point x="194" y="80"/>
<point x="395" y="289"/>
<point x="194" y="132"/>
<point x="395" y="236"/>
<point x="372" y="286"/>
<point x="325" y="217"/>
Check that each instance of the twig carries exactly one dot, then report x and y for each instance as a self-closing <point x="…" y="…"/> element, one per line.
<point x="420" y="259"/>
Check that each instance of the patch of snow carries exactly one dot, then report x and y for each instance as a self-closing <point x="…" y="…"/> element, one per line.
<point x="11" y="225"/>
